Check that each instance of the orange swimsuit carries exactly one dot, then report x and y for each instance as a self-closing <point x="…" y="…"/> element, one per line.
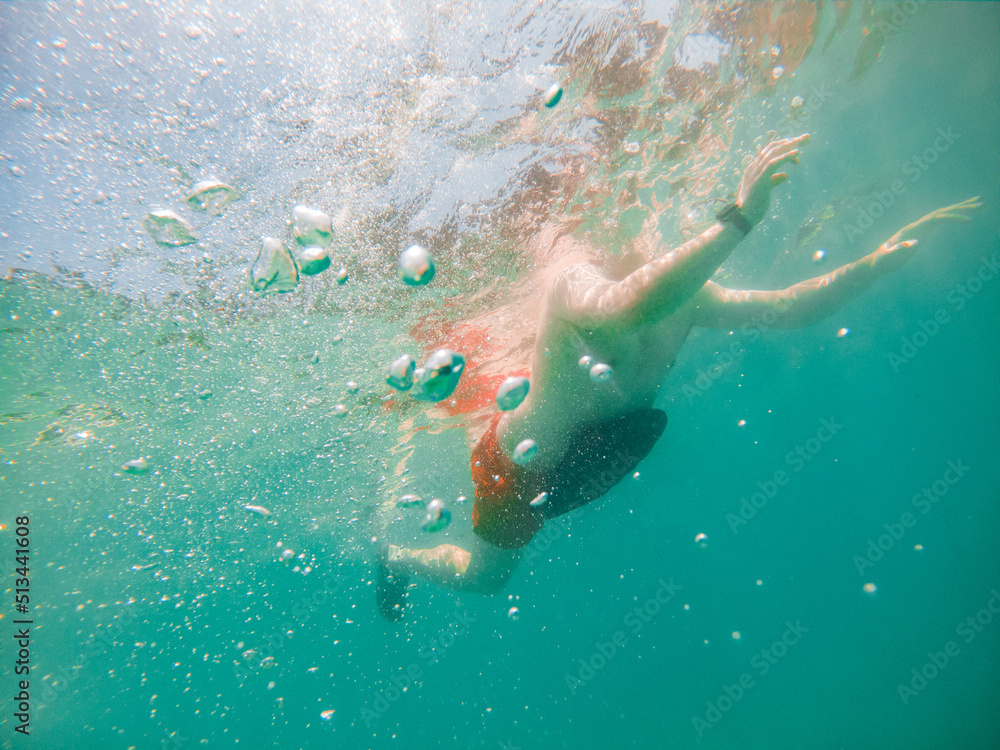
<point x="599" y="456"/>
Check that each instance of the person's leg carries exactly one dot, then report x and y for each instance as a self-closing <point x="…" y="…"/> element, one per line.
<point x="483" y="568"/>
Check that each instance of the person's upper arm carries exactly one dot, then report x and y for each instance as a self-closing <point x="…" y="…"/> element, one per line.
<point x="719" y="307"/>
<point x="582" y="296"/>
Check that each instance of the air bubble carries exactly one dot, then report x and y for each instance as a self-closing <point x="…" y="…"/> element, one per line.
<point x="416" y="266"/>
<point x="526" y="450"/>
<point x="601" y="373"/>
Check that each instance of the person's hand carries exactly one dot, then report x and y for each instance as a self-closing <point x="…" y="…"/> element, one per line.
<point x="919" y="229"/>
<point x="754" y="194"/>
<point x="896" y="250"/>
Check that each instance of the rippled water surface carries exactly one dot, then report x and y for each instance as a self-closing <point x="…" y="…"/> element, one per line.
<point x="806" y="559"/>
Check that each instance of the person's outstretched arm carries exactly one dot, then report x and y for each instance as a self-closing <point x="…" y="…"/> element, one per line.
<point x="813" y="300"/>
<point x="581" y="296"/>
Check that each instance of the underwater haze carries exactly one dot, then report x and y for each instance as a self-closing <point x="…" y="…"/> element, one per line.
<point x="200" y="455"/>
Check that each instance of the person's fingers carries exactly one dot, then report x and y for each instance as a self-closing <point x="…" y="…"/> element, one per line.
<point x="970" y="204"/>
<point x="771" y="150"/>
<point x="771" y="167"/>
<point x="767" y="161"/>
<point x="775" y="147"/>
<point x="787" y="152"/>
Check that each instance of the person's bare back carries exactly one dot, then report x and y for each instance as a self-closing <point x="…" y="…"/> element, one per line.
<point x="563" y="394"/>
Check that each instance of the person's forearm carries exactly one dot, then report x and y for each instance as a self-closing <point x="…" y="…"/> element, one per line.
<point x="815" y="299"/>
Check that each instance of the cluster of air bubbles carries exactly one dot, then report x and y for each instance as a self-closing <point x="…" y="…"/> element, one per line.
<point x="278" y="270"/>
<point x="169" y="228"/>
<point x="435" y="381"/>
<point x="778" y="70"/>
<point x="599" y="372"/>
<point x="436" y="515"/>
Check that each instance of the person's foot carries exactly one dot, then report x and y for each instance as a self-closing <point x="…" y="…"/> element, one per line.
<point x="390" y="588"/>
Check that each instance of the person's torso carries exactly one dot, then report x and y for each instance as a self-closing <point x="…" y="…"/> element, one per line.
<point x="563" y="393"/>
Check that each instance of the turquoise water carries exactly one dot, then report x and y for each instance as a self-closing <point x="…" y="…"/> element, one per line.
<point x="426" y="123"/>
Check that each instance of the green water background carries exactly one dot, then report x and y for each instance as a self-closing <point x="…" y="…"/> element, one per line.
<point x="102" y="657"/>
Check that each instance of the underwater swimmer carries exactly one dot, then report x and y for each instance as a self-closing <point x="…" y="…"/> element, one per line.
<point x="589" y="435"/>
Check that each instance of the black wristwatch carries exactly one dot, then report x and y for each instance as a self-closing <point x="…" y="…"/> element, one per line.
<point x="732" y="215"/>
